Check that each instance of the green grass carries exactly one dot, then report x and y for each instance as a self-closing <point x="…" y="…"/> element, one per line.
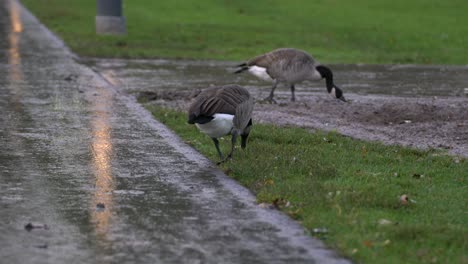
<point x="347" y="186"/>
<point x="334" y="31"/>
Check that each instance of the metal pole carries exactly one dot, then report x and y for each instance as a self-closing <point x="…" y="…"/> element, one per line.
<point x="109" y="17"/>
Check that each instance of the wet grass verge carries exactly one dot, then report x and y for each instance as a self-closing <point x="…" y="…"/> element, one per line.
<point x="348" y="192"/>
<point x="360" y="31"/>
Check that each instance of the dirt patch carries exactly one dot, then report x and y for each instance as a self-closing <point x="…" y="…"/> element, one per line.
<point x="424" y="122"/>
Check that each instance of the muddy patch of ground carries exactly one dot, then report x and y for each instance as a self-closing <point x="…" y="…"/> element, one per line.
<point x="424" y="122"/>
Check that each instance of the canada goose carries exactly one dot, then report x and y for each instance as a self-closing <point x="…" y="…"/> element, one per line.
<point x="290" y="66"/>
<point x="221" y="111"/>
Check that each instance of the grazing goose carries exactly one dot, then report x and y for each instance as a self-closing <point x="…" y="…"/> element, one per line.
<point x="221" y="111"/>
<point x="290" y="66"/>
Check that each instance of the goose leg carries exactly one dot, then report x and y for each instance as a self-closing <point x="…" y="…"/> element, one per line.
<point x="293" y="96"/>
<point x="216" y="142"/>
<point x="244" y="140"/>
<point x="245" y="134"/>
<point x="272" y="92"/>
<point x="233" y="144"/>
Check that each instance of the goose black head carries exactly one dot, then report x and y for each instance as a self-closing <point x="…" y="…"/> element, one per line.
<point x="327" y="74"/>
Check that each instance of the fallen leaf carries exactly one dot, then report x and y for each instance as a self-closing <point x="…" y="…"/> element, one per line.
<point x="404" y="199"/>
<point x="406" y="122"/>
<point x="269" y="182"/>
<point x="30" y="226"/>
<point x="368" y="243"/>
<point x="43" y="246"/>
<point x="295" y="213"/>
<point x="266" y="206"/>
<point x="100" y="207"/>
<point x="320" y="230"/>
<point x="280" y="202"/>
<point x="363" y="151"/>
<point x="384" y="222"/>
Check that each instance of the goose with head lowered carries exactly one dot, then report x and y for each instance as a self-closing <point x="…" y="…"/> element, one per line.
<point x="220" y="111"/>
<point x="290" y="66"/>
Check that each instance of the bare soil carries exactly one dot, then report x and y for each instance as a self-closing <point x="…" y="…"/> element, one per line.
<point x="423" y="122"/>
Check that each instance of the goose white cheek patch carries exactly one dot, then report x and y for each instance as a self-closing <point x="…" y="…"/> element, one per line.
<point x="333" y="92"/>
<point x="317" y="75"/>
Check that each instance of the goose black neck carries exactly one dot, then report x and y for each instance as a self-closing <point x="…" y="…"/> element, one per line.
<point x="326" y="73"/>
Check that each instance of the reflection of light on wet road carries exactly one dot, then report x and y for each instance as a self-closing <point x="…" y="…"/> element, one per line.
<point x="102" y="152"/>
<point x="16" y="24"/>
<point x="14" y="55"/>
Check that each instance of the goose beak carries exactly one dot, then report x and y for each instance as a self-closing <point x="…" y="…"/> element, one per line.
<point x="338" y="93"/>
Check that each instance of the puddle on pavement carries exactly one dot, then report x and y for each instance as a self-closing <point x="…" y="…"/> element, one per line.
<point x="395" y="80"/>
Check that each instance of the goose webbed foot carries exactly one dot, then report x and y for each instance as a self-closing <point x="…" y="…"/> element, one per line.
<point x="229" y="157"/>
<point x="270" y="100"/>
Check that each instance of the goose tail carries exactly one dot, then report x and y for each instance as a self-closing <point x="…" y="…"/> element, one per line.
<point x="242" y="66"/>
<point x="243" y="114"/>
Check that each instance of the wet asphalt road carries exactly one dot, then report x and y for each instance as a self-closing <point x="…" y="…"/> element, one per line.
<point x="103" y="182"/>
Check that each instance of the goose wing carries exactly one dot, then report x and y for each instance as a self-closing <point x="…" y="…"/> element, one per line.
<point x="243" y="114"/>
<point x="221" y="100"/>
<point x="277" y="56"/>
<point x="278" y="62"/>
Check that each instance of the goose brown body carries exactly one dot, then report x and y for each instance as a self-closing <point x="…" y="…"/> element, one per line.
<point x="290" y="66"/>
